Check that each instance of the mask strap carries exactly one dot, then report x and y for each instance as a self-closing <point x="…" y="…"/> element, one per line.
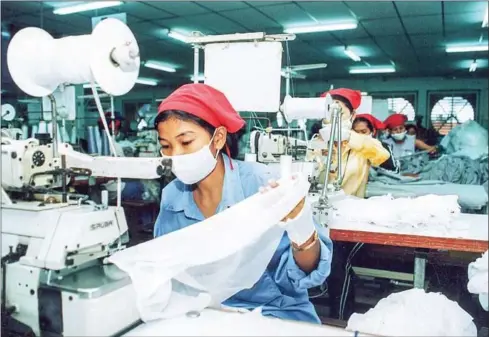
<point x="228" y="152"/>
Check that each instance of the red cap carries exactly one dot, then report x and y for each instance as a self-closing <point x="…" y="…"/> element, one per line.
<point x="353" y="96"/>
<point x="395" y="120"/>
<point x="205" y="102"/>
<point x="377" y="124"/>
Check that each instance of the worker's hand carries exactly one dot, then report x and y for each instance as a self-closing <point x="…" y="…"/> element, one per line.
<point x="433" y="150"/>
<point x="325" y="133"/>
<point x="297" y="209"/>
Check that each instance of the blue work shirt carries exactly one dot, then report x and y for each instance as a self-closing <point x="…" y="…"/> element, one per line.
<point x="282" y="289"/>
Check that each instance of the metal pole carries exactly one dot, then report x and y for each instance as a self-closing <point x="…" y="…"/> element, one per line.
<point x="334" y="124"/>
<point x="54" y="120"/>
<point x="196" y="64"/>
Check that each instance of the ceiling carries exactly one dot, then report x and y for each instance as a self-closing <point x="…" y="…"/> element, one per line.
<point x="410" y="34"/>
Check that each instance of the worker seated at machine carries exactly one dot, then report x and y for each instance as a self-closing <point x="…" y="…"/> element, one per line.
<point x="402" y="143"/>
<point x="196" y="128"/>
<point x="358" y="151"/>
<point x="132" y="190"/>
<point x="367" y="124"/>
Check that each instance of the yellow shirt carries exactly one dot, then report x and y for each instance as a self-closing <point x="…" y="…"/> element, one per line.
<point x="357" y="155"/>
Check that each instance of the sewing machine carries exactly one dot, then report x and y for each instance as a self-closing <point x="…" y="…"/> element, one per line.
<point x="270" y="146"/>
<point x="54" y="243"/>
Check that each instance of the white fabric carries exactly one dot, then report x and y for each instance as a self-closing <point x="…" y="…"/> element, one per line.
<point x="231" y="323"/>
<point x="425" y="211"/>
<point x="301" y="228"/>
<point x="414" y="313"/>
<point x="478" y="279"/>
<point x="204" y="264"/>
<point x="111" y="185"/>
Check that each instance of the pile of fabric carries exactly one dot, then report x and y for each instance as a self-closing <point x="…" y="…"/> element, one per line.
<point x="478" y="279"/>
<point x="414" y="313"/>
<point x="457" y="170"/>
<point x="424" y="211"/>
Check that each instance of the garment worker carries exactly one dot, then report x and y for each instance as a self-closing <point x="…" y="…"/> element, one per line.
<point x="402" y="143"/>
<point x="367" y="124"/>
<point x="196" y="128"/>
<point x="358" y="151"/>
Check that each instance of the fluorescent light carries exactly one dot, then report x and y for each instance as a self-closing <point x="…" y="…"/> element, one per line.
<point x="473" y="66"/>
<point x="178" y="36"/>
<point x="352" y="55"/>
<point x="484" y="22"/>
<point x="321" y="28"/>
<point x="88" y="6"/>
<point x="159" y="66"/>
<point x="88" y="86"/>
<point x="147" y="81"/>
<point x="363" y="93"/>
<point x="5" y="34"/>
<point x="461" y="49"/>
<point x="372" y="70"/>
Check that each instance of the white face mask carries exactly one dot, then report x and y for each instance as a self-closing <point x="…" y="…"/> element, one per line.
<point x="399" y="136"/>
<point x="193" y="167"/>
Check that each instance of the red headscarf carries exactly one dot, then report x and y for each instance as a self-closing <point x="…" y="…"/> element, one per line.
<point x="395" y="120"/>
<point x="207" y="103"/>
<point x="377" y="124"/>
<point x="352" y="96"/>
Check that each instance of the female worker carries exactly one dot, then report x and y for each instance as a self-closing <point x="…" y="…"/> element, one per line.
<point x="402" y="143"/>
<point x="196" y="128"/>
<point x="358" y="152"/>
<point x="366" y="124"/>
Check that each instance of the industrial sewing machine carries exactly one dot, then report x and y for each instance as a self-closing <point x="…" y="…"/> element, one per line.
<point x="54" y="243"/>
<point x="269" y="146"/>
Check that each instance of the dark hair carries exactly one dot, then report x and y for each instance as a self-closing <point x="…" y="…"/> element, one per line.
<point x="232" y="139"/>
<point x="315" y="128"/>
<point x="366" y="121"/>
<point x="344" y="101"/>
<point x="411" y="126"/>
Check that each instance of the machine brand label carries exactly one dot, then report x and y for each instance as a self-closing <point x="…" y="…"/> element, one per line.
<point x="99" y="225"/>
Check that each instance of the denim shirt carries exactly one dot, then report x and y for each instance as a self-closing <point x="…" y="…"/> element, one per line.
<point x="282" y="289"/>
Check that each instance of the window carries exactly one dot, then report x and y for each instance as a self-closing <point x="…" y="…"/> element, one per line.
<point x="448" y="111"/>
<point x="402" y="103"/>
<point x="402" y="106"/>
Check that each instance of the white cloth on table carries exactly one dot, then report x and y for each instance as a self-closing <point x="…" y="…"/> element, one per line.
<point x="414" y="313"/>
<point x="478" y="279"/>
<point x="426" y="211"/>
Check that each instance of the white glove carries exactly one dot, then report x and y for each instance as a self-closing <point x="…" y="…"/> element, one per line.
<point x="301" y="228"/>
<point x="325" y="132"/>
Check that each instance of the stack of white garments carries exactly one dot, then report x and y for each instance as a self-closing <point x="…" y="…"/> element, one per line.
<point x="425" y="211"/>
<point x="478" y="279"/>
<point x="414" y="313"/>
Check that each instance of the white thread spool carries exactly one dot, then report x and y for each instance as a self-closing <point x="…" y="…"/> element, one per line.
<point x="250" y="157"/>
<point x="295" y="108"/>
<point x="285" y="166"/>
<point x="109" y="56"/>
<point x="8" y="112"/>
